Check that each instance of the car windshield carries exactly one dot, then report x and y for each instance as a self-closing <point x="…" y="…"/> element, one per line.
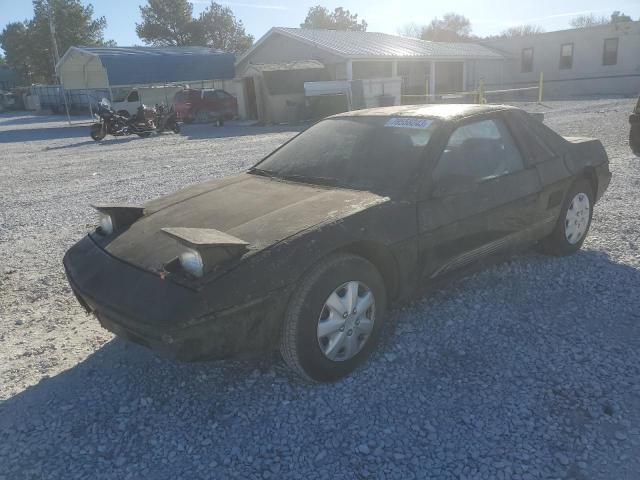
<point x="376" y="153"/>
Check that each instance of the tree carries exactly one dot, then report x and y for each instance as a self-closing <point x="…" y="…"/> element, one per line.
<point x="585" y="21"/>
<point x="15" y="44"/>
<point x="618" y="16"/>
<point x="2" y="60"/>
<point x="451" y="28"/>
<point x="320" y="17"/>
<point x="521" y="31"/>
<point x="167" y="23"/>
<point x="217" y="27"/>
<point x="28" y="44"/>
<point x="170" y="23"/>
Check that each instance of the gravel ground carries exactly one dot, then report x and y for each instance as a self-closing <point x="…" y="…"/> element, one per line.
<point x="529" y="369"/>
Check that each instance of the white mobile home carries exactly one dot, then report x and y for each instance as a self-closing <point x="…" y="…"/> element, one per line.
<point x="600" y="60"/>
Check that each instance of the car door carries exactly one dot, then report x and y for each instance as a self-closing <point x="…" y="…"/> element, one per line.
<point x="210" y="101"/>
<point x="481" y="197"/>
<point x="227" y="102"/>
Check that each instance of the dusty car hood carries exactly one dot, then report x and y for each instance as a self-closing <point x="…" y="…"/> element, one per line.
<point x="259" y="210"/>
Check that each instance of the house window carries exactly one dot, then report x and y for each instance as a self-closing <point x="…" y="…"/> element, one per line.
<point x="527" y="60"/>
<point x="566" y="56"/>
<point x="610" y="54"/>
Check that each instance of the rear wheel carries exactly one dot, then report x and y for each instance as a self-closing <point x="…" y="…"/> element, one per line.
<point x="202" y="116"/>
<point x="574" y="221"/>
<point x="334" y="318"/>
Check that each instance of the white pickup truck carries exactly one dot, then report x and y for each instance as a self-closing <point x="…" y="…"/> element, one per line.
<point x="129" y="99"/>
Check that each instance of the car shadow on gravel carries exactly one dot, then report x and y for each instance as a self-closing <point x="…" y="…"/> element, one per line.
<point x="460" y="383"/>
<point x="22" y="118"/>
<point x="47" y="133"/>
<point x="106" y="141"/>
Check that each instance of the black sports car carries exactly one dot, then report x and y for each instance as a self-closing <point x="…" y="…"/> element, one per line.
<point x="306" y="249"/>
<point x="634" y="132"/>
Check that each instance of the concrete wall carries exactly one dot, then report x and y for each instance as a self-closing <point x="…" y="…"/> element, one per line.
<point x="588" y="75"/>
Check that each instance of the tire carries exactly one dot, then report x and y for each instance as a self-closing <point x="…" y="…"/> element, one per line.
<point x="97" y="132"/>
<point x="202" y="116"/>
<point x="300" y="343"/>
<point x="176" y="128"/>
<point x="220" y="122"/>
<point x="559" y="242"/>
<point x="634" y="139"/>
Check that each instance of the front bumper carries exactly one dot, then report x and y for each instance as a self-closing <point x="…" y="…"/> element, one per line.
<point x="142" y="307"/>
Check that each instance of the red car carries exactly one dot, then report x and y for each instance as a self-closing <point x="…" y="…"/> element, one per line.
<point x="205" y="105"/>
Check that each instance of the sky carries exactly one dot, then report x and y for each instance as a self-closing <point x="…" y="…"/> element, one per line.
<point x="387" y="16"/>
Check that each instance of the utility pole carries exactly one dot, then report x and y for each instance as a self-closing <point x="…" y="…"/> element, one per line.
<point x="52" y="29"/>
<point x="56" y="58"/>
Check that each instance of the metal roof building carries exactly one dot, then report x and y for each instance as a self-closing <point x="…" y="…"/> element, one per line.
<point x="280" y="64"/>
<point x="373" y="45"/>
<point x="105" y="67"/>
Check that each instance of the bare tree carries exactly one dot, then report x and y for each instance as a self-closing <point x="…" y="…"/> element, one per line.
<point x="521" y="31"/>
<point x="411" y="30"/>
<point x="585" y="21"/>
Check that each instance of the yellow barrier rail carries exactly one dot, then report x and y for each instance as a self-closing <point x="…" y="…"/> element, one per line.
<point x="480" y="94"/>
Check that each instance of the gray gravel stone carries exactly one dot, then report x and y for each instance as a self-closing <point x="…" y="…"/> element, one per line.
<point x="525" y="360"/>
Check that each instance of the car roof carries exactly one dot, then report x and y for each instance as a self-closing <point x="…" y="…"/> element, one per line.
<point x="447" y="111"/>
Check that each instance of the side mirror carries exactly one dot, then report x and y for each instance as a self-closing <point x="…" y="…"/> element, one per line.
<point x="454" y="185"/>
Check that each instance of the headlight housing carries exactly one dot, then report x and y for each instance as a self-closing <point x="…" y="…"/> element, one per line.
<point x="191" y="262"/>
<point x="112" y="218"/>
<point x="203" y="249"/>
<point x="105" y="223"/>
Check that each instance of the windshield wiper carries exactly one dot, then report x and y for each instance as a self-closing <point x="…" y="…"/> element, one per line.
<point x="328" y="181"/>
<point x="261" y="172"/>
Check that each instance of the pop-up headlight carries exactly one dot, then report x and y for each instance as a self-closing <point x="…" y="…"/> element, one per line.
<point x="113" y="218"/>
<point x="205" y="248"/>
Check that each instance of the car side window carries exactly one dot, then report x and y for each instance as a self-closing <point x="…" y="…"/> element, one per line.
<point x="133" y="97"/>
<point x="478" y="151"/>
<point x="209" y="94"/>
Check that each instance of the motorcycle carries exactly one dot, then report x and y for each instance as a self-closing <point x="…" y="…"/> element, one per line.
<point x="109" y="122"/>
<point x="166" y="119"/>
<point x="144" y="123"/>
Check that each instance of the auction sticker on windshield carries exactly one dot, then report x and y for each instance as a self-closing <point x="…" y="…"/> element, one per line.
<point x="406" y="122"/>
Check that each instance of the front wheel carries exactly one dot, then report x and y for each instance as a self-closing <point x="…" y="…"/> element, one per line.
<point x="574" y="221"/>
<point x="334" y="318"/>
<point x="97" y="132"/>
